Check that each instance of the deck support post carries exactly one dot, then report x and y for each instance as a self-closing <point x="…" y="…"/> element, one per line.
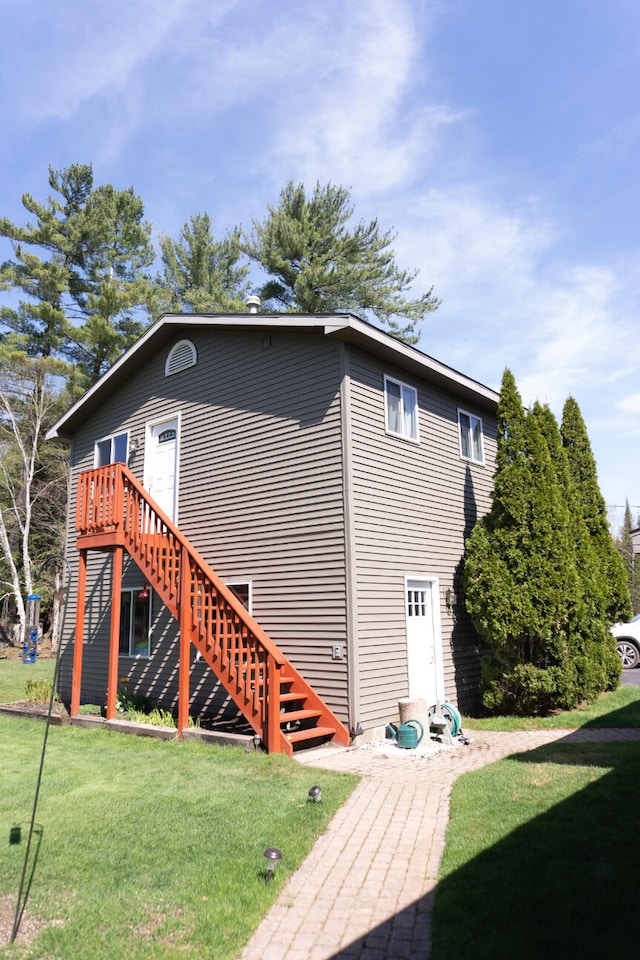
<point x="272" y="702"/>
<point x="114" y="635"/>
<point x="76" y="679"/>
<point x="114" y="513"/>
<point x="185" y="643"/>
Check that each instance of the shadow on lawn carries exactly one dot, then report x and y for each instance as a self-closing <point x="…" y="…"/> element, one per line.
<point x="563" y="885"/>
<point x="624" y="717"/>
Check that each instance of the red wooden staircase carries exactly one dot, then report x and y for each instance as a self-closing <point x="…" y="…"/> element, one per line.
<point x="115" y="513"/>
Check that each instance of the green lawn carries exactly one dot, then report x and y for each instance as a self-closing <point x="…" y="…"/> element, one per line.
<point x="154" y="850"/>
<point x="14" y="675"/>
<point x="542" y="856"/>
<point x="621" y="708"/>
<point x="150" y="849"/>
<point x="542" y="849"/>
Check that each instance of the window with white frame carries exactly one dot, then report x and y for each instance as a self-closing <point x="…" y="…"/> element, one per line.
<point x="135" y="622"/>
<point x="401" y="409"/>
<point x="112" y="449"/>
<point x="242" y="590"/>
<point x="470" y="437"/>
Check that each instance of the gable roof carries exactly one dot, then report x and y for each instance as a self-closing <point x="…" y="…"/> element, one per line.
<point x="344" y="327"/>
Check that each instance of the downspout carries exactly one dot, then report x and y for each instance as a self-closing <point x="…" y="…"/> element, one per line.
<point x="353" y="664"/>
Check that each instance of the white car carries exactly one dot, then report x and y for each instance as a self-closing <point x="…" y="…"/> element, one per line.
<point x="628" y="640"/>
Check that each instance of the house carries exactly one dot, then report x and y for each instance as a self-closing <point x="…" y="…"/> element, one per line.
<point x="316" y="479"/>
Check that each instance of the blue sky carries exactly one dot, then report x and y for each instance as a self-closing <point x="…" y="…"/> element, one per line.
<point x="500" y="139"/>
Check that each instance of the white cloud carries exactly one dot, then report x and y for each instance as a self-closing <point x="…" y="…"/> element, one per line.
<point x="353" y="123"/>
<point x="630" y="404"/>
<point x="92" y="50"/>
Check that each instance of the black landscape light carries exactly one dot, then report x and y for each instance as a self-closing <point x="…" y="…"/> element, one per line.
<point x="315" y="793"/>
<point x="273" y="856"/>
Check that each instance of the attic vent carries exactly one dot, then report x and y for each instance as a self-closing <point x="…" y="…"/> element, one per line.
<point x="182" y="355"/>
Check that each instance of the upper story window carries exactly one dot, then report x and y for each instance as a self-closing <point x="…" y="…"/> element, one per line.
<point x="183" y="354"/>
<point x="470" y="437"/>
<point x="112" y="449"/>
<point x="401" y="409"/>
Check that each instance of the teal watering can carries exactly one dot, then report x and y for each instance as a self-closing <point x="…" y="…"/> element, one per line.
<point x="406" y="735"/>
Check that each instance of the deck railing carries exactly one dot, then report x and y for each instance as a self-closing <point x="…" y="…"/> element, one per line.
<point x="112" y="506"/>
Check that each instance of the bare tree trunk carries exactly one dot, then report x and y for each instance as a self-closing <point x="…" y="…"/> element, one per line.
<point x="15" y="576"/>
<point x="56" y="613"/>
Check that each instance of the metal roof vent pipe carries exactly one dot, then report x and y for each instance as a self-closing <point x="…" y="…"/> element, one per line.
<point x="253" y="303"/>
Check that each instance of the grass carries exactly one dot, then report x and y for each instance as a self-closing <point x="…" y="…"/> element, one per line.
<point x="541" y="857"/>
<point x="149" y="849"/>
<point x="620" y="708"/>
<point x="153" y="850"/>
<point x="14" y="675"/>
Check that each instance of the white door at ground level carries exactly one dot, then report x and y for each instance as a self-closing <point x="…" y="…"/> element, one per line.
<point x="161" y="465"/>
<point x="423" y="659"/>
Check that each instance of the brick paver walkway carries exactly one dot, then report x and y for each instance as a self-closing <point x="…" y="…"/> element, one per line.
<point x="365" y="891"/>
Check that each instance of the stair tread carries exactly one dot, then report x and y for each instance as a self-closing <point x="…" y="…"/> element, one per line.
<point x="231" y="653"/>
<point x="291" y="715"/>
<point x="309" y="733"/>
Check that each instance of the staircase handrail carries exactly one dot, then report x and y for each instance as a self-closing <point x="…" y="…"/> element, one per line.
<point x="110" y="516"/>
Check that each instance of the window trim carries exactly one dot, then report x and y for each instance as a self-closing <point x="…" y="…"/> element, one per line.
<point x="471" y="417"/>
<point x="402" y="435"/>
<point x="134" y="593"/>
<point x="111" y="437"/>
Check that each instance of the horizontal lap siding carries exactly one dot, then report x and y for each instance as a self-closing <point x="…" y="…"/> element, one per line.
<point x="272" y="486"/>
<point x="260" y="486"/>
<point x="413" y="506"/>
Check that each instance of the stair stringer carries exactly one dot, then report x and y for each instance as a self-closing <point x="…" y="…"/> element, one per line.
<point x="220" y="627"/>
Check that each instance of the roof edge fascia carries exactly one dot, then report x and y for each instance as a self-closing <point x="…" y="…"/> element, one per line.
<point x="410" y="353"/>
<point x="336" y="325"/>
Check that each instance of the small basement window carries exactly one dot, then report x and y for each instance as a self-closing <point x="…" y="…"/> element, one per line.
<point x="183" y="354"/>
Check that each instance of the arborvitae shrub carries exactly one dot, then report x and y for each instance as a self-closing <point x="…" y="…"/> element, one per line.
<point x="532" y="581"/>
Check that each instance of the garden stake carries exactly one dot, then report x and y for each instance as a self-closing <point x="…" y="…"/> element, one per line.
<point x="21" y="903"/>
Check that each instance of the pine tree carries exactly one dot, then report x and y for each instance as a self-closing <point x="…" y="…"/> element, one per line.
<point x="43" y="266"/>
<point x="79" y="272"/>
<point x="582" y="467"/>
<point x="112" y="288"/>
<point x="82" y="270"/>
<point x="320" y="263"/>
<point x="202" y="274"/>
